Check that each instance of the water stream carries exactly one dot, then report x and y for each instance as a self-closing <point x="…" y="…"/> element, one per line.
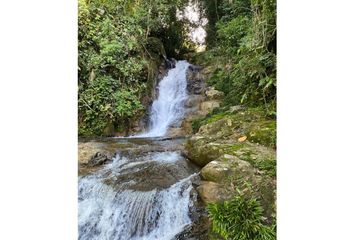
<point x="146" y="192"/>
<point x="168" y="108"/>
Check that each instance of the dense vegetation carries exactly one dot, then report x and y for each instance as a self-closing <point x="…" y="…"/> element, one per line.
<point x="241" y="47"/>
<point x="241" y="56"/>
<point x="120" y="44"/>
<point x="241" y="219"/>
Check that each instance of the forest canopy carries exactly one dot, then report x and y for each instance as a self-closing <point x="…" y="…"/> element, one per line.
<point x="122" y="42"/>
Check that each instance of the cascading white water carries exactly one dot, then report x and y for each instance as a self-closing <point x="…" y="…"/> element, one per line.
<point x="121" y="202"/>
<point x="107" y="212"/>
<point x="168" y="108"/>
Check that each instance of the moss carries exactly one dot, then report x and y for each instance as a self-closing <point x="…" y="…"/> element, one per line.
<point x="201" y="153"/>
<point x="231" y="149"/>
<point x="266" y="165"/>
<point x="263" y="132"/>
<point x="217" y="117"/>
<point x="214" y="176"/>
<point x="214" y="116"/>
<point x="245" y="152"/>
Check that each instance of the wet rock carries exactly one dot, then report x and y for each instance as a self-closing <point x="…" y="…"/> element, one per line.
<point x="195" y="68"/>
<point x="146" y="173"/>
<point x="98" y="159"/>
<point x="95" y="151"/>
<point x="195" y="80"/>
<point x="170" y="63"/>
<point x="199" y="230"/>
<point x="175" y="132"/>
<point x="87" y="151"/>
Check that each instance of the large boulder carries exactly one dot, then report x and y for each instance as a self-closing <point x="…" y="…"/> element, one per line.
<point x="241" y="125"/>
<point x="87" y="150"/>
<point x="201" y="152"/>
<point x="98" y="159"/>
<point x="225" y="167"/>
<point x="216" y="171"/>
<point x="195" y="80"/>
<point x="211" y="192"/>
<point x="234" y="149"/>
<point x="212" y="94"/>
<point x="95" y="153"/>
<point x="221" y="128"/>
<point x="203" y="149"/>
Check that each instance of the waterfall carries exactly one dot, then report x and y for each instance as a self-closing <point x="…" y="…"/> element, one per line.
<point x="114" y="210"/>
<point x="144" y="195"/>
<point x="168" y="108"/>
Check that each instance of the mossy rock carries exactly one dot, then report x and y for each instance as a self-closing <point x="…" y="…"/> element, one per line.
<point x="263" y="132"/>
<point x="216" y="171"/>
<point x="225" y="166"/>
<point x="233" y="175"/>
<point x="211" y="192"/>
<point x="212" y="94"/>
<point x="203" y="149"/>
<point x="219" y="128"/>
<point x="201" y="152"/>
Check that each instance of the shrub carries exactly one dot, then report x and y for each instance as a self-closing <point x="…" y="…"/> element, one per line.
<point x="240" y="219"/>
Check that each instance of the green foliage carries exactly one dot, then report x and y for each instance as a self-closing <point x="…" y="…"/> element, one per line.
<point x="267" y="165"/>
<point x="103" y="101"/>
<point x="119" y="44"/>
<point x="215" y="115"/>
<point x="245" y="38"/>
<point x="212" y="11"/>
<point x="241" y="219"/>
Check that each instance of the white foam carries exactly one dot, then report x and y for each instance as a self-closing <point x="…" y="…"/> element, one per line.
<point x="105" y="213"/>
<point x="168" y="108"/>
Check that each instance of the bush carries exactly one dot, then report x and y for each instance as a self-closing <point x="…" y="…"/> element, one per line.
<point x="240" y="219"/>
<point x="246" y="36"/>
<point x="120" y="45"/>
<point x="104" y="101"/>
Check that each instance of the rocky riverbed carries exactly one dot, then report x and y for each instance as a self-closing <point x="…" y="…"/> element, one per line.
<point x="207" y="158"/>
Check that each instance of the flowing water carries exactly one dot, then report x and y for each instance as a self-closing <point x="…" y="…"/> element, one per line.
<point x="146" y="192"/>
<point x="168" y="108"/>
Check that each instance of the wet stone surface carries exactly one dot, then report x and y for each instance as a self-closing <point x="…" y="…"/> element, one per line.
<point x="142" y="172"/>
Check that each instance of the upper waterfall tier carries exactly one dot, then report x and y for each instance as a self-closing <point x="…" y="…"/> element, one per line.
<point x="168" y="108"/>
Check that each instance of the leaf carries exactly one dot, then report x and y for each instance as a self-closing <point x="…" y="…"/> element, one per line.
<point x="242" y="139"/>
